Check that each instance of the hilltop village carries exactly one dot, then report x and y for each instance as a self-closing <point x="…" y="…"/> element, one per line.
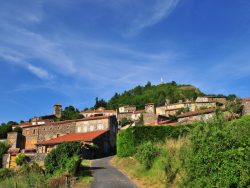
<point x="100" y="126"/>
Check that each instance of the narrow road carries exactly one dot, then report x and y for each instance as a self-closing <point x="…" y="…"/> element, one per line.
<point x="107" y="176"/>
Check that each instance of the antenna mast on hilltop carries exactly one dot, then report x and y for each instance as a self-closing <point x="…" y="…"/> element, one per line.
<point x="162" y="82"/>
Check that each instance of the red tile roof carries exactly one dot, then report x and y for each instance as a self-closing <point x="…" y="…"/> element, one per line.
<point x="73" y="137"/>
<point x="13" y="150"/>
<point x="197" y="112"/>
<point x="246" y="99"/>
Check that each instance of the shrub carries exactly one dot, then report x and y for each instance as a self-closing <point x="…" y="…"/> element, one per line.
<point x="218" y="155"/>
<point x="18" y="129"/>
<point x="21" y="159"/>
<point x="63" y="158"/>
<point x="3" y="149"/>
<point x="5" y="173"/>
<point x="129" y="139"/>
<point x="146" y="154"/>
<point x="125" y="121"/>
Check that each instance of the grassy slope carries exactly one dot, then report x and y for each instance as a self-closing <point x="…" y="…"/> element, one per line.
<point x="166" y="169"/>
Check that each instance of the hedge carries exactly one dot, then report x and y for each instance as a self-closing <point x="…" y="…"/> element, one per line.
<point x="128" y="140"/>
<point x="219" y="155"/>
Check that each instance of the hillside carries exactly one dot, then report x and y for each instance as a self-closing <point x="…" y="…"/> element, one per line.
<point x="157" y="94"/>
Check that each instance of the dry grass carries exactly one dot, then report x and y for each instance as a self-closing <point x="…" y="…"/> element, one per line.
<point x="157" y="176"/>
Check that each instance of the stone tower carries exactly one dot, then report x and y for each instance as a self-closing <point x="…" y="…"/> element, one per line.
<point x="58" y="110"/>
<point x="150" y="108"/>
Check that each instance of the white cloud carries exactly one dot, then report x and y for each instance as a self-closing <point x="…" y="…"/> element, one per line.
<point x="160" y="10"/>
<point x="39" y="72"/>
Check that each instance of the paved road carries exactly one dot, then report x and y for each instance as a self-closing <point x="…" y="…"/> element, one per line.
<point x="107" y="176"/>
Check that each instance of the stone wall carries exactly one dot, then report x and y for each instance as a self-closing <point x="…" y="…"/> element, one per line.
<point x="34" y="134"/>
<point x="149" y="118"/>
<point x="93" y="125"/>
<point x="15" y="140"/>
<point x="246" y="109"/>
<point x="5" y="160"/>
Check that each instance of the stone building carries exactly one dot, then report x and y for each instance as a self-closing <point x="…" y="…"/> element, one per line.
<point x="58" y="110"/>
<point x="37" y="133"/>
<point x="246" y="106"/>
<point x="98" y="112"/>
<point x="127" y="108"/>
<point x="199" y="115"/>
<point x="212" y="99"/>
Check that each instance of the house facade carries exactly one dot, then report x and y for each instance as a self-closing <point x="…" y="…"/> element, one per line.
<point x="99" y="112"/>
<point x="38" y="133"/>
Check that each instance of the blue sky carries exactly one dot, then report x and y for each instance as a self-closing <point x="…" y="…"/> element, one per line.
<point x="75" y="50"/>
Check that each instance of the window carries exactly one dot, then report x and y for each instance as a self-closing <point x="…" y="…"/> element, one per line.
<point x="85" y="129"/>
<point x="100" y="127"/>
<point x="91" y="128"/>
<point x="78" y="129"/>
<point x="34" y="131"/>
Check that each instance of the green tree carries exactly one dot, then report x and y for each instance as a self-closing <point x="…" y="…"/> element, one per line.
<point x="100" y="103"/>
<point x="64" y="158"/>
<point x="18" y="129"/>
<point x="71" y="113"/>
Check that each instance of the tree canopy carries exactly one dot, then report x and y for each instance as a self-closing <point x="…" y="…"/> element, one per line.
<point x="5" y="128"/>
<point x="70" y="113"/>
<point x="157" y="94"/>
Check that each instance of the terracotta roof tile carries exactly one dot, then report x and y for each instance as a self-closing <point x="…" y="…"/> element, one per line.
<point x="246" y="99"/>
<point x="73" y="137"/>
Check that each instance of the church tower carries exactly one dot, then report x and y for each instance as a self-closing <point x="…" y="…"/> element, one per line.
<point x="58" y="110"/>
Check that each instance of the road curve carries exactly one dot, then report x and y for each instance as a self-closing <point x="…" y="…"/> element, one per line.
<point x="107" y="176"/>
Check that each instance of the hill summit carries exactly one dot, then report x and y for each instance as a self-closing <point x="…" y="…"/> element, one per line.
<point x="157" y="94"/>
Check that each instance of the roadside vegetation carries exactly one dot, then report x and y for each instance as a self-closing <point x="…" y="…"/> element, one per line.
<point x="212" y="154"/>
<point x="63" y="166"/>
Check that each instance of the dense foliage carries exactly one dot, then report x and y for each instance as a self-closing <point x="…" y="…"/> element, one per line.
<point x="129" y="139"/>
<point x="5" y="128"/>
<point x="18" y="129"/>
<point x="3" y="148"/>
<point x="146" y="153"/>
<point x="100" y="103"/>
<point x="218" y="155"/>
<point x="64" y="158"/>
<point x="71" y="113"/>
<point x="21" y="159"/>
<point x="157" y="94"/>
<point x="125" y="121"/>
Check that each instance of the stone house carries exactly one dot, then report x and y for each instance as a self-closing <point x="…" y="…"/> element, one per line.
<point x="38" y="133"/>
<point x="99" y="112"/>
<point x="199" y="115"/>
<point x="212" y="99"/>
<point x="127" y="108"/>
<point x="100" y="138"/>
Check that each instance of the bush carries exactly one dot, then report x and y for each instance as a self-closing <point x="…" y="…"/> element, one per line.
<point x="125" y="121"/>
<point x="129" y="139"/>
<point x="21" y="159"/>
<point x="64" y="158"/>
<point x="218" y="155"/>
<point x="3" y="149"/>
<point x="18" y="129"/>
<point x="5" y="173"/>
<point x="146" y="154"/>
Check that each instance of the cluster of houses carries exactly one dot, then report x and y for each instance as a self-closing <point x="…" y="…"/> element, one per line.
<point x="99" y="127"/>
